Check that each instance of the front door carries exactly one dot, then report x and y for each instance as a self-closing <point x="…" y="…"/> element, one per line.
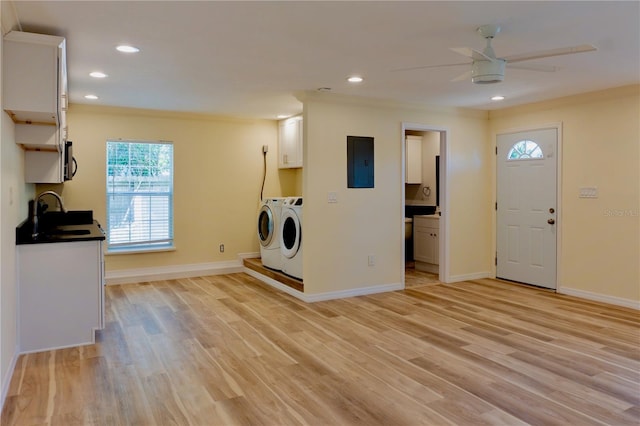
<point x="527" y="207"/>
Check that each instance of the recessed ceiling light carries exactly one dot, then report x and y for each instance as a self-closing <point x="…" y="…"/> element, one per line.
<point x="497" y="98"/>
<point x="97" y="74"/>
<point x="355" y="79"/>
<point x="92" y="97"/>
<point x="127" y="49"/>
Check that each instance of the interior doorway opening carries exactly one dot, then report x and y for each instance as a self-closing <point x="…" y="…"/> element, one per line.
<point x="425" y="201"/>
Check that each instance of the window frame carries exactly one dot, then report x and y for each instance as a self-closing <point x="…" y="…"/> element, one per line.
<point x="150" y="245"/>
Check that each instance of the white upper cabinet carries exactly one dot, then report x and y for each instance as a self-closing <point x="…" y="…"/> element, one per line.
<point x="34" y="87"/>
<point x="413" y="160"/>
<point x="290" y="143"/>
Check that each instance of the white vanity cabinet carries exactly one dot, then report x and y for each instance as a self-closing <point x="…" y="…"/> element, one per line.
<point x="413" y="159"/>
<point x="426" y="243"/>
<point x="61" y="294"/>
<point x="290" y="143"/>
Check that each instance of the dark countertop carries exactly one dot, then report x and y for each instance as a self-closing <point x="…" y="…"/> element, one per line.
<point x="411" y="210"/>
<point x="61" y="228"/>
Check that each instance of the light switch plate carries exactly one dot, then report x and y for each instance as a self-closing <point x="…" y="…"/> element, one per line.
<point x="332" y="197"/>
<point x="588" y="192"/>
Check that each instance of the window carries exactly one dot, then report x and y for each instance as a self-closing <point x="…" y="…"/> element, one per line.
<point x="139" y="196"/>
<point x="525" y="150"/>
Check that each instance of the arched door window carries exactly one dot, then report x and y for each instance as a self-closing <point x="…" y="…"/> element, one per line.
<point x="525" y="150"/>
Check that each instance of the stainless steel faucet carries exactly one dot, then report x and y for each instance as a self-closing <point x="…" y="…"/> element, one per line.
<point x="34" y="213"/>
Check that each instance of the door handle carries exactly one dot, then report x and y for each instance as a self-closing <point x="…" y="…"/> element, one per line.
<point x="551" y="221"/>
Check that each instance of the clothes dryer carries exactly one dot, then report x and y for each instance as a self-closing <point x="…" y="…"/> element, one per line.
<point x="269" y="232"/>
<point x="291" y="237"/>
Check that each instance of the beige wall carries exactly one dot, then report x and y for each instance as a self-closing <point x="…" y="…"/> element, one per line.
<point x="600" y="238"/>
<point x="338" y="238"/>
<point x="218" y="167"/>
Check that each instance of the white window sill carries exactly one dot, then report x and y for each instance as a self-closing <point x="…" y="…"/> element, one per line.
<point x="139" y="251"/>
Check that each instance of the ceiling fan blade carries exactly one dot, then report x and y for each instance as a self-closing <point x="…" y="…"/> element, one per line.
<point x="533" y="67"/>
<point x="430" y="66"/>
<point x="548" y="53"/>
<point x="461" y="77"/>
<point x="471" y="53"/>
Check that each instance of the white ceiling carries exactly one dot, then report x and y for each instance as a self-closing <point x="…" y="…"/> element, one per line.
<point x="247" y="59"/>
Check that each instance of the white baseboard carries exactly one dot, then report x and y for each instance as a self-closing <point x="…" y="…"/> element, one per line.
<point x="362" y="291"/>
<point x="6" y="381"/>
<point x="468" y="277"/>
<point x="128" y="276"/>
<point x="597" y="297"/>
<point x="319" y="297"/>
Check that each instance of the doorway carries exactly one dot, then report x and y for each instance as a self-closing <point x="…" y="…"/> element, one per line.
<point x="527" y="207"/>
<point x="425" y="203"/>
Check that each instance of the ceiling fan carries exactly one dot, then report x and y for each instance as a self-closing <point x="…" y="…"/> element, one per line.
<point x="487" y="68"/>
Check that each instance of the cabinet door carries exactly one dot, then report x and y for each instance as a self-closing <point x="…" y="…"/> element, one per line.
<point x="422" y="245"/>
<point x="32" y="68"/>
<point x="61" y="300"/>
<point x="435" y="241"/>
<point x="290" y="143"/>
<point x="426" y="242"/>
<point x="413" y="161"/>
<point x="43" y="167"/>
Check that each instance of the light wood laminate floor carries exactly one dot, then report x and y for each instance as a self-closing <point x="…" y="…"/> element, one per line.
<point x="229" y="350"/>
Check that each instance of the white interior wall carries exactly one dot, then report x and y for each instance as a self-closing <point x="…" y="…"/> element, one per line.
<point x="14" y="194"/>
<point x="339" y="237"/>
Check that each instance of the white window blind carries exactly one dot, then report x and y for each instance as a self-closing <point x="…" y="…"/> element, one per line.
<point x="139" y="195"/>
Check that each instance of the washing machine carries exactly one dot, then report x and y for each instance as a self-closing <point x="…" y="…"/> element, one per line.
<point x="269" y="232"/>
<point x="291" y="237"/>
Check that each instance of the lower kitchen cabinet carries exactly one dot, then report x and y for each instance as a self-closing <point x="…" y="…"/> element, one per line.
<point x="426" y="243"/>
<point x="61" y="294"/>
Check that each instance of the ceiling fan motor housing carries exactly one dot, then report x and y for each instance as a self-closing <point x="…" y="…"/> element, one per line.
<point x="487" y="72"/>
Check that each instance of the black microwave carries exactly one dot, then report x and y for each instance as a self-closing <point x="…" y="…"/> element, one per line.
<point x="70" y="163"/>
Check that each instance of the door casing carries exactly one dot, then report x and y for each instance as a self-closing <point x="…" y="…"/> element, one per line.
<point x="443" y="248"/>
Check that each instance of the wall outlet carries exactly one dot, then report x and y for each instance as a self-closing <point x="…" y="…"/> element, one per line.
<point x="265" y="149"/>
<point x="332" y="197"/>
<point x="372" y="260"/>
<point x="221" y="248"/>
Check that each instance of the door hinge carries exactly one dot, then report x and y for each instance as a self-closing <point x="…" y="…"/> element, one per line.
<point x="496" y="150"/>
<point x="496" y="259"/>
<point x="496" y="205"/>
